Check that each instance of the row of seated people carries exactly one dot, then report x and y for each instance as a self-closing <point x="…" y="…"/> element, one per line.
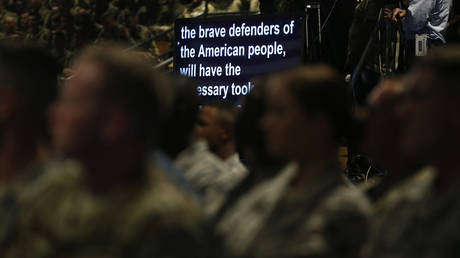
<point x="118" y="160"/>
<point x="68" y="26"/>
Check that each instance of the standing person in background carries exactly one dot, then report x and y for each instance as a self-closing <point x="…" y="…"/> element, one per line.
<point x="428" y="18"/>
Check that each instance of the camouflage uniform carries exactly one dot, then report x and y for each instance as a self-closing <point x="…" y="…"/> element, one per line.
<point x="414" y="220"/>
<point x="58" y="216"/>
<point x="141" y="34"/>
<point x="195" y="10"/>
<point x="116" y="33"/>
<point x="221" y="6"/>
<point x="63" y="57"/>
<point x="161" y="18"/>
<point x="226" y="6"/>
<point x="329" y="219"/>
<point x="210" y="175"/>
<point x="13" y="20"/>
<point x="42" y="37"/>
<point x="85" y="4"/>
<point x="4" y="13"/>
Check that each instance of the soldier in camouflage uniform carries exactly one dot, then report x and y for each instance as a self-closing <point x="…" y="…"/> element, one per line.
<point x="37" y="33"/>
<point x="60" y="215"/>
<point x="4" y="12"/>
<point x="420" y="217"/>
<point x="9" y="28"/>
<point x="58" y="49"/>
<point x="227" y="6"/>
<point x="112" y="202"/>
<point x="306" y="210"/>
<point x="137" y="33"/>
<point x="28" y="86"/>
<point x="111" y="29"/>
<point x="326" y="220"/>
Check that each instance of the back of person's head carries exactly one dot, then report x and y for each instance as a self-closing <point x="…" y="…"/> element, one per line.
<point x="320" y="89"/>
<point x="180" y="116"/>
<point x="308" y="112"/>
<point x="382" y="124"/>
<point x="130" y="81"/>
<point x="248" y="134"/>
<point x="31" y="73"/>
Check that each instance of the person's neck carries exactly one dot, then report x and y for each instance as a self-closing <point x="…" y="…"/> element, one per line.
<point x="18" y="153"/>
<point x="226" y="150"/>
<point x="113" y="167"/>
<point x="313" y="166"/>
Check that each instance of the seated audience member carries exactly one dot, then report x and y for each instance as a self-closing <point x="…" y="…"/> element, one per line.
<point x="9" y="28"/>
<point x="216" y="125"/>
<point x="420" y="217"/>
<point x="308" y="209"/>
<point x="28" y="85"/>
<point x="109" y="201"/>
<point x="179" y="114"/>
<point x="251" y="144"/>
<point x="36" y="32"/>
<point x="211" y="163"/>
<point x="182" y="108"/>
<point x="383" y="136"/>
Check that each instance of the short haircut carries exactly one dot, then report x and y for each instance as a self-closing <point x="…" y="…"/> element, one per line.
<point x="320" y="89"/>
<point x="227" y="113"/>
<point x="132" y="82"/>
<point x="247" y="129"/>
<point x="181" y="116"/>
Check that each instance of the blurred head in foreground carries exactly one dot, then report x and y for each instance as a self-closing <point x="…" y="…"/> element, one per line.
<point x="28" y="85"/>
<point x="308" y="114"/>
<point x="106" y="113"/>
<point x="430" y="113"/>
<point x="383" y="125"/>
